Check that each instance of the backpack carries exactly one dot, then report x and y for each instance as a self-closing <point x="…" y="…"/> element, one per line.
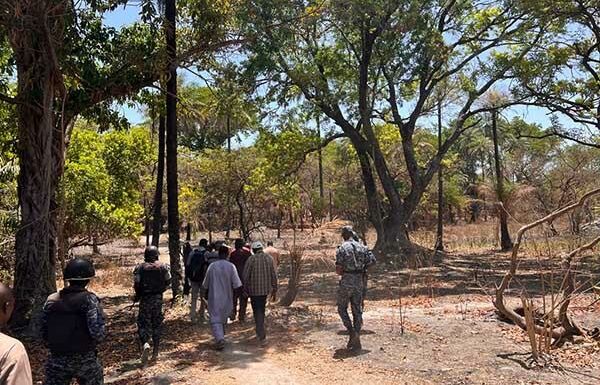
<point x="197" y="268"/>
<point x="357" y="257"/>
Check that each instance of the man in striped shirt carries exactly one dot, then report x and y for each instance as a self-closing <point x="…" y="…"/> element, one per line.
<point x="260" y="280"/>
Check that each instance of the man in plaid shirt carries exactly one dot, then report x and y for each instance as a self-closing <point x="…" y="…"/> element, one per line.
<point x="260" y="280"/>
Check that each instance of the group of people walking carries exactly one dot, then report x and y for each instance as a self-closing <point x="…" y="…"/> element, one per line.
<point x="222" y="280"/>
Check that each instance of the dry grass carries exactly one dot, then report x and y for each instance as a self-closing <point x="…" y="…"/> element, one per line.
<point x="112" y="276"/>
<point x="483" y="237"/>
<point x="464" y="238"/>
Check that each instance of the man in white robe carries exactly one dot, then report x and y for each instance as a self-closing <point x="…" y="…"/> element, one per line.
<point x="220" y="281"/>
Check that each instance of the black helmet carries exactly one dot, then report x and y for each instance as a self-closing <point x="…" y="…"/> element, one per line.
<point x="79" y="269"/>
<point x="151" y="253"/>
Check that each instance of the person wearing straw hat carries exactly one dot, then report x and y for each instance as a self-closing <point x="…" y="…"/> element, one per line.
<point x="72" y="326"/>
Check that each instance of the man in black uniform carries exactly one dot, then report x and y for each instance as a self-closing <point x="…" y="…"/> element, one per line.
<point x="72" y="325"/>
<point x="151" y="279"/>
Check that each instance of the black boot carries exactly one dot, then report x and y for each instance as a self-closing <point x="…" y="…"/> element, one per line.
<point x="357" y="346"/>
<point x="351" y="339"/>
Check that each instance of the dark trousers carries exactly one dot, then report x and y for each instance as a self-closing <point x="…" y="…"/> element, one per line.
<point x="86" y="368"/>
<point x="349" y="294"/>
<point x="186" y="286"/>
<point x="259" y="304"/>
<point x="150" y="318"/>
<point x="242" y="299"/>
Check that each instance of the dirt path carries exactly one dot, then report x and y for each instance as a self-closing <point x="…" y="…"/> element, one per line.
<point x="443" y="343"/>
<point x="451" y="336"/>
<point x="304" y="348"/>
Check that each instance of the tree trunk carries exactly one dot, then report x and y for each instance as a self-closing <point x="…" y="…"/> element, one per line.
<point x="62" y="252"/>
<point x="210" y="225"/>
<point x="575" y="221"/>
<point x="229" y="223"/>
<point x="296" y="262"/>
<point x="452" y="215"/>
<point x="62" y="239"/>
<point x="373" y="203"/>
<point x="34" y="270"/>
<point x="171" y="147"/>
<point x="160" y="176"/>
<point x="320" y="158"/>
<point x="330" y="205"/>
<point x="95" y="247"/>
<point x="279" y="223"/>
<point x="244" y="231"/>
<point x="395" y="241"/>
<point x="147" y="227"/>
<point x="34" y="277"/>
<point x="439" y="239"/>
<point x="41" y="154"/>
<point x="505" y="241"/>
<point x="188" y="232"/>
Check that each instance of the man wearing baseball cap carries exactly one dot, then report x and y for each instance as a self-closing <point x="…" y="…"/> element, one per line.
<point x="260" y="280"/>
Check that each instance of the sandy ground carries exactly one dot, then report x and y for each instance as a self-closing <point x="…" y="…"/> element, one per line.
<point x="449" y="334"/>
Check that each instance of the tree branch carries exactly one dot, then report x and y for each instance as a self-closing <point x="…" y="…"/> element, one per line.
<point x="510" y="274"/>
<point x="324" y="142"/>
<point x="8" y="99"/>
<point x="560" y="135"/>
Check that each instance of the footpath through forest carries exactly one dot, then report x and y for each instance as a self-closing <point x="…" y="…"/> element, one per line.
<point x="449" y="334"/>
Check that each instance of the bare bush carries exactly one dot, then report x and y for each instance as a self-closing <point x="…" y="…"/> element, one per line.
<point x="565" y="327"/>
<point x="296" y="257"/>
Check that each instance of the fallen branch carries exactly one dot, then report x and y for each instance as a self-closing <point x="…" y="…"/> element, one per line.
<point x="564" y="318"/>
<point x="567" y="327"/>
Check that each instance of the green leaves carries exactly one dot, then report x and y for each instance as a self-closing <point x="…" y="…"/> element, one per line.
<point x="282" y="155"/>
<point x="103" y="182"/>
<point x="207" y="117"/>
<point x="563" y="73"/>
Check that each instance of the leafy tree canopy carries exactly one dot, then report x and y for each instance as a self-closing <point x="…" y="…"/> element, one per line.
<point x="103" y="183"/>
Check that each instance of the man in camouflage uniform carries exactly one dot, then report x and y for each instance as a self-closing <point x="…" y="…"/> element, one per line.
<point x="151" y="279"/>
<point x="352" y="260"/>
<point x="372" y="260"/>
<point x="72" y="325"/>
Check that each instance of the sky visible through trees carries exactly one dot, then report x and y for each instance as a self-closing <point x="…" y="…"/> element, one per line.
<point x="129" y="14"/>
